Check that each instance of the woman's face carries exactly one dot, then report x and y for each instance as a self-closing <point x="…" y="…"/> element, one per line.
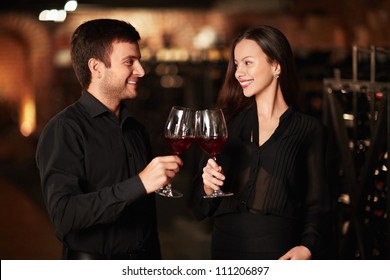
<point x="253" y="71"/>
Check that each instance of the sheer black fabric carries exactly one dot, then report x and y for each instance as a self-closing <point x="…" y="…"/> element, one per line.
<point x="281" y="184"/>
<point x="88" y="162"/>
<point x="246" y="235"/>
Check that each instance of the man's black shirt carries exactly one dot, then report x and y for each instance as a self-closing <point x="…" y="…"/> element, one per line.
<point x="88" y="162"/>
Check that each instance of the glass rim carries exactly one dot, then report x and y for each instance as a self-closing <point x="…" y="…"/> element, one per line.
<point x="210" y="109"/>
<point x="182" y="108"/>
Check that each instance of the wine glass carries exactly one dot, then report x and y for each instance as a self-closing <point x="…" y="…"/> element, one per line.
<point x="179" y="133"/>
<point x="211" y="134"/>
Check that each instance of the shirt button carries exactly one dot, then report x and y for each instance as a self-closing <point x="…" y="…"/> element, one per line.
<point x="243" y="206"/>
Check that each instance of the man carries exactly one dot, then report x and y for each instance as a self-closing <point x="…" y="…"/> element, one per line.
<point x="98" y="179"/>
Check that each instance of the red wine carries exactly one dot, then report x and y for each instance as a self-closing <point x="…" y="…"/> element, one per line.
<point x="212" y="145"/>
<point x="179" y="144"/>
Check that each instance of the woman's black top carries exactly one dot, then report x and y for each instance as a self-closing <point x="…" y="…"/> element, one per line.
<point x="280" y="193"/>
<point x="89" y="163"/>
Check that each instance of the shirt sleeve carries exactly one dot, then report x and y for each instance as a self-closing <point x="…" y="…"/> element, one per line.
<point x="60" y="159"/>
<point x="317" y="198"/>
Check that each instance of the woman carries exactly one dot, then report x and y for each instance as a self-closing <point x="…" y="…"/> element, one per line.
<point x="273" y="160"/>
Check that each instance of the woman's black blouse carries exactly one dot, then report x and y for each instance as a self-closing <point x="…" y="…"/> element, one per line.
<point x="285" y="176"/>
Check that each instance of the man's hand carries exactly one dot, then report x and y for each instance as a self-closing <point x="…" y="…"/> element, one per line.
<point x="159" y="172"/>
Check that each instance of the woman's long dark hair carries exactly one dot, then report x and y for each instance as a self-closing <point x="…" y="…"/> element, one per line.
<point x="277" y="48"/>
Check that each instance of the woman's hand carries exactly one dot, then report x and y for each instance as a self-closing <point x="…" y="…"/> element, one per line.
<point x="213" y="177"/>
<point x="297" y="253"/>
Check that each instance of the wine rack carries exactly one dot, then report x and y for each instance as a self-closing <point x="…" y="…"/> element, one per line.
<point x="357" y="115"/>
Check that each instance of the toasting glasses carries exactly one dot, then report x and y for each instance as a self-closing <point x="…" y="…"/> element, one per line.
<point x="179" y="133"/>
<point x="211" y="134"/>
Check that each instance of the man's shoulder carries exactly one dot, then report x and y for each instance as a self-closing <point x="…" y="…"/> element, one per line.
<point x="71" y="114"/>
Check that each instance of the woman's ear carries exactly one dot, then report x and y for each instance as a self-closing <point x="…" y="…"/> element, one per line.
<point x="276" y="68"/>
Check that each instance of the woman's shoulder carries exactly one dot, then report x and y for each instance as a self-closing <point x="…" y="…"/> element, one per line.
<point x="306" y="118"/>
<point x="302" y="122"/>
<point x="243" y="115"/>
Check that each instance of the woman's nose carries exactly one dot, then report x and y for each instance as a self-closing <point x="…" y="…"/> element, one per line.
<point x="238" y="72"/>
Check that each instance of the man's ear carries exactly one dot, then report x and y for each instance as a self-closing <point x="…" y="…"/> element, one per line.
<point x="94" y="66"/>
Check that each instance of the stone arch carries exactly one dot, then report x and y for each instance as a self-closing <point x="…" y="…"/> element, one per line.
<point x="26" y="68"/>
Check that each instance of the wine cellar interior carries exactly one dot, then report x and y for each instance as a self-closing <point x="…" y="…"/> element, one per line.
<point x="342" y="55"/>
<point x="357" y="113"/>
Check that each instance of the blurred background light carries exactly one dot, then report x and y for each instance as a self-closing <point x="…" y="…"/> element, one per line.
<point x="70" y="6"/>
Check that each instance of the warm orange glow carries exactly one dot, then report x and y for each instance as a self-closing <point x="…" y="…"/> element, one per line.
<point x="27" y="116"/>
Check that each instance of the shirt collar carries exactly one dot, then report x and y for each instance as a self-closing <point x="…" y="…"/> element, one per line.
<point x="125" y="113"/>
<point x="286" y="113"/>
<point x="252" y="127"/>
<point x="93" y="106"/>
<point x="284" y="116"/>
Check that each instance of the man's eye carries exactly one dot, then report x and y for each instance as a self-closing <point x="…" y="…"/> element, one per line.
<point x="129" y="62"/>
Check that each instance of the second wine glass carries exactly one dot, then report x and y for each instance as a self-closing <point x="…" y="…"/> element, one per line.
<point x="179" y="133"/>
<point x="211" y="134"/>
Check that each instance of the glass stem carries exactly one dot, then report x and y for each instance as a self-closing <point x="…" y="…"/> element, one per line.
<point x="168" y="190"/>
<point x="216" y="192"/>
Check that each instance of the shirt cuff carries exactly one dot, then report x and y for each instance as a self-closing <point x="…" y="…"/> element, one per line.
<point x="131" y="189"/>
